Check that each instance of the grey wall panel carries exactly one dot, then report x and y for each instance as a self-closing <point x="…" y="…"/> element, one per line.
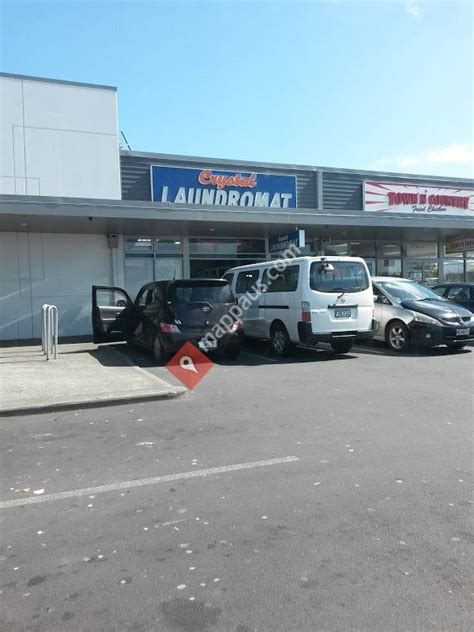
<point x="136" y="185"/>
<point x="135" y="174"/>
<point x="306" y="187"/>
<point x="343" y="191"/>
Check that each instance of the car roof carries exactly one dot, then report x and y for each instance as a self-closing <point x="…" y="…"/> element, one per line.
<point x="187" y="281"/>
<point x="199" y="281"/>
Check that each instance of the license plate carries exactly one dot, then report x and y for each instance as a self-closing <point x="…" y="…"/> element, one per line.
<point x="205" y="345"/>
<point x="462" y="332"/>
<point x="342" y="313"/>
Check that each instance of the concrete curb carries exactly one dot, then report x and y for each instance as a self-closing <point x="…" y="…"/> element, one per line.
<point x="97" y="403"/>
<point x="167" y="391"/>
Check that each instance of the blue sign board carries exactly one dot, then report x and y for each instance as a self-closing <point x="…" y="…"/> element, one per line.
<point x="183" y="185"/>
<point x="282" y="242"/>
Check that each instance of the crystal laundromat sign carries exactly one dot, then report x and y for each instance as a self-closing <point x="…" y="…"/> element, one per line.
<point x="414" y="199"/>
<point x="208" y="186"/>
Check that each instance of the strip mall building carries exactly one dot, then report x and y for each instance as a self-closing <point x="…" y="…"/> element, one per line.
<point x="75" y="211"/>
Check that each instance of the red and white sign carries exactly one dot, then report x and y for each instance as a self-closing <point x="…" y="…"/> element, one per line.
<point x="189" y="365"/>
<point x="387" y="197"/>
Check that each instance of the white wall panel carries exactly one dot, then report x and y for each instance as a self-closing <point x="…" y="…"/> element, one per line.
<point x="58" y="139"/>
<point x="70" y="107"/>
<point x="11" y="115"/>
<point x="52" y="268"/>
<point x="72" y="164"/>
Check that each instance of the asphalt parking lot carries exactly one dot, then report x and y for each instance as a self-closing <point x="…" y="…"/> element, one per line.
<point x="320" y="493"/>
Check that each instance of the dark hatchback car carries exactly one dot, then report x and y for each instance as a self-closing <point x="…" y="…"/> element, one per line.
<point x="460" y="293"/>
<point x="165" y="315"/>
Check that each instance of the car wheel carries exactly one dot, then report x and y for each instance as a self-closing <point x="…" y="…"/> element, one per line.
<point x="231" y="352"/>
<point x="158" y="351"/>
<point x="280" y="341"/>
<point x="342" y="346"/>
<point x="397" y="336"/>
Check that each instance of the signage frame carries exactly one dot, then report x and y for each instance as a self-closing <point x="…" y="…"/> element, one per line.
<point x="231" y="172"/>
<point x="299" y="237"/>
<point x="456" y="240"/>
<point x="431" y="189"/>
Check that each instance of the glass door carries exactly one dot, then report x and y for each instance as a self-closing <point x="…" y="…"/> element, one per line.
<point x="423" y="270"/>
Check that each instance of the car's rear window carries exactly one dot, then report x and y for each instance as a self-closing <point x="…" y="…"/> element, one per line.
<point x="200" y="292"/>
<point x="347" y="276"/>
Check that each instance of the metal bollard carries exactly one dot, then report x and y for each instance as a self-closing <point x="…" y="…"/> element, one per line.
<point x="49" y="330"/>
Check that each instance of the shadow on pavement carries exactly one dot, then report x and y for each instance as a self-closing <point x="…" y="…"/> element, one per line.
<point x="376" y="347"/>
<point x="258" y="353"/>
<point x="254" y="353"/>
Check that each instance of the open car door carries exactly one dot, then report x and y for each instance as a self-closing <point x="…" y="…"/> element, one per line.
<point x="111" y="313"/>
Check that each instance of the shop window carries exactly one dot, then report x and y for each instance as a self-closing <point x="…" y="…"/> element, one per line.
<point x="139" y="245"/>
<point x="138" y="271"/>
<point x="334" y="248"/>
<point x="389" y="250"/>
<point x="389" y="267"/>
<point x="453" y="269"/>
<point x="363" y="248"/>
<point x="423" y="271"/>
<point x="226" y="247"/>
<point x="422" y="249"/>
<point x="167" y="269"/>
<point x="168" y="246"/>
<point x="470" y="269"/>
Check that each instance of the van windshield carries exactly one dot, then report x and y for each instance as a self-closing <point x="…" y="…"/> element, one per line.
<point x="200" y="292"/>
<point x="346" y="276"/>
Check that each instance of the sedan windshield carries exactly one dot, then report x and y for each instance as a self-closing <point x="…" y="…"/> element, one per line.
<point x="409" y="291"/>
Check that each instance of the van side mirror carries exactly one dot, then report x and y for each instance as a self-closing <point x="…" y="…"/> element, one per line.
<point x="121" y="303"/>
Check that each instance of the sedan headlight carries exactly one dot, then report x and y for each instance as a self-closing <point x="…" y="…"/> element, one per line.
<point x="423" y="318"/>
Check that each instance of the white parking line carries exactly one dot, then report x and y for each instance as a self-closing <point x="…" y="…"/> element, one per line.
<point x="33" y="500"/>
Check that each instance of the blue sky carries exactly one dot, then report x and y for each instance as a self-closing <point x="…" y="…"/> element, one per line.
<point x="380" y="85"/>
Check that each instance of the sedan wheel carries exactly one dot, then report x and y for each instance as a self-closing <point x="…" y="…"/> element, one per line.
<point x="398" y="337"/>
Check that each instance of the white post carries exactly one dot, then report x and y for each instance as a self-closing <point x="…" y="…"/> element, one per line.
<point x="50" y="330"/>
<point x="43" y="327"/>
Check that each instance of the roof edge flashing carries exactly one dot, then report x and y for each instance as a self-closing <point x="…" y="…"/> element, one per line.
<point x="8" y="75"/>
<point x="275" y="165"/>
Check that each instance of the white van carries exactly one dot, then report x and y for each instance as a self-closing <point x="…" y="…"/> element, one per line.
<point x="305" y="300"/>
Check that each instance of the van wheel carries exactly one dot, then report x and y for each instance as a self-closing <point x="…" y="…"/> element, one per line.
<point x="397" y="336"/>
<point x="280" y="340"/>
<point x="342" y="346"/>
<point x="158" y="351"/>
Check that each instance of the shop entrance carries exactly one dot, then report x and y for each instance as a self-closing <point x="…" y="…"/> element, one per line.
<point x="211" y="258"/>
